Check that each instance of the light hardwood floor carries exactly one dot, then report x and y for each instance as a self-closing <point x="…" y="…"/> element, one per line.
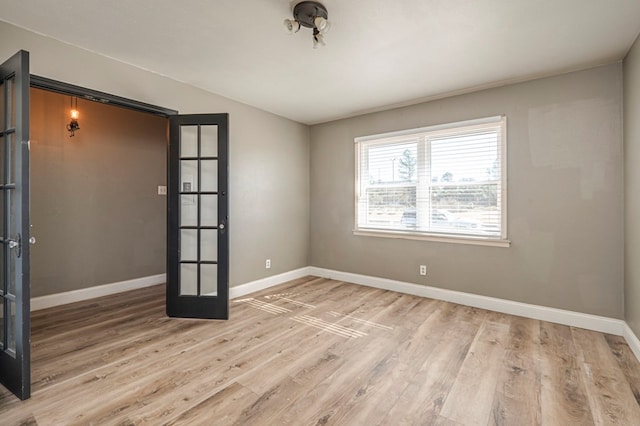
<point x="313" y="352"/>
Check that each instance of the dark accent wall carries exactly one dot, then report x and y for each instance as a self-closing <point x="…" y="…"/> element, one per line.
<point x="94" y="206"/>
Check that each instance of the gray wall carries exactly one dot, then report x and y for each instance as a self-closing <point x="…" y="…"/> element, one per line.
<point x="565" y="197"/>
<point x="269" y="155"/>
<point x="632" y="187"/>
<point x="94" y="204"/>
<point x="565" y="189"/>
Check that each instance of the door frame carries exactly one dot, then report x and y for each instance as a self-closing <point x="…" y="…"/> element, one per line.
<point x="51" y="85"/>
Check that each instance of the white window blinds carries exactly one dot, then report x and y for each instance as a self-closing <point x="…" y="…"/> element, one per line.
<point x="441" y="180"/>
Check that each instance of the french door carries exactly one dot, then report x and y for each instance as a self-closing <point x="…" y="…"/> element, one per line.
<point x="197" y="216"/>
<point x="15" y="338"/>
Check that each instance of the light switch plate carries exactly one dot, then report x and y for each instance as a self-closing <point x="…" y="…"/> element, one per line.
<point x="162" y="190"/>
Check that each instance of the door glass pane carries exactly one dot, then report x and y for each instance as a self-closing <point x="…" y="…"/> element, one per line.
<point x="11" y="288"/>
<point x="3" y="247"/>
<point x="209" y="141"/>
<point x="188" y="279"/>
<point x="188" y="210"/>
<point x="2" y="213"/>
<point x="13" y="232"/>
<point x="209" y="170"/>
<point x="12" y="155"/>
<point x="209" y="279"/>
<point x="189" y="244"/>
<point x="11" y="326"/>
<point x="1" y="105"/>
<point x="209" y="212"/>
<point x="209" y="244"/>
<point x="2" y="141"/>
<point x="1" y="322"/>
<point x="188" y="175"/>
<point x="11" y="86"/>
<point x="188" y="141"/>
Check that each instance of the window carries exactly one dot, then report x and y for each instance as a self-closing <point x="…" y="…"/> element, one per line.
<point x="444" y="181"/>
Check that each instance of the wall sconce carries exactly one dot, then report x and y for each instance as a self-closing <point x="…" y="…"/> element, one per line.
<point x="73" y="125"/>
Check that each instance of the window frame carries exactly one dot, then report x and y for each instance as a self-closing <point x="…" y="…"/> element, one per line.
<point x="423" y="135"/>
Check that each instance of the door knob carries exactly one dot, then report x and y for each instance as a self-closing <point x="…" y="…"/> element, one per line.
<point x="16" y="244"/>
<point x="221" y="226"/>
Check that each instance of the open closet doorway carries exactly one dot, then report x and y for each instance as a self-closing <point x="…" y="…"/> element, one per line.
<point x="87" y="197"/>
<point x="99" y="201"/>
<point x="95" y="207"/>
<point x="197" y="179"/>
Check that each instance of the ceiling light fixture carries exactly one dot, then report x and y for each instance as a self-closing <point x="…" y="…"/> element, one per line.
<point x="73" y="125"/>
<point x="310" y="14"/>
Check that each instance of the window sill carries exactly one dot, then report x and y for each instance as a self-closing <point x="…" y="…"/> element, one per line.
<point x="478" y="241"/>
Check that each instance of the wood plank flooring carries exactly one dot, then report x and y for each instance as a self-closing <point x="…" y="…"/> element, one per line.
<point x="319" y="352"/>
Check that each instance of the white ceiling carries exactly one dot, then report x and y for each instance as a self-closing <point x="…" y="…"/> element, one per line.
<point x="379" y="53"/>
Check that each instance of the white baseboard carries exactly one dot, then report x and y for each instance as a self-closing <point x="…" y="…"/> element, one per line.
<point x="263" y="283"/>
<point x="543" y="313"/>
<point x="57" y="299"/>
<point x="632" y="340"/>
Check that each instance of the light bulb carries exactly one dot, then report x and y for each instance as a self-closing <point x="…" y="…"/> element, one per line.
<point x="291" y="26"/>
<point x="74" y="114"/>
<point x="321" y="24"/>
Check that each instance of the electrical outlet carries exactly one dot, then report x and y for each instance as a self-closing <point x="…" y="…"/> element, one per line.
<point x="423" y="269"/>
<point x="162" y="190"/>
<point x="267" y="264"/>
